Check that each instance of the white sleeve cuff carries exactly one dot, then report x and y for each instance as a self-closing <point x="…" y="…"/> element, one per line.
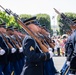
<point x="13" y="50"/>
<point x="2" y="52"/>
<point x="50" y="49"/>
<point x="20" y="49"/>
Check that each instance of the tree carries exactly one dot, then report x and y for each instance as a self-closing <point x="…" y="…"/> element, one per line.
<point x="9" y="20"/>
<point x="25" y="16"/>
<point x="44" y="20"/>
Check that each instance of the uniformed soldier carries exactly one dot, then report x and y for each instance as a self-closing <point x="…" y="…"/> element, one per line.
<point x="13" y="55"/>
<point x="44" y="32"/>
<point x="73" y="54"/>
<point x="4" y="64"/>
<point x="34" y="56"/>
<point x="20" y="52"/>
<point x="68" y="51"/>
<point x="19" y="34"/>
<point x="68" y="43"/>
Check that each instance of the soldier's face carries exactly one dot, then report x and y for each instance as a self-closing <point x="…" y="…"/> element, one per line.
<point x="44" y="32"/>
<point x="72" y="27"/>
<point x="10" y="32"/>
<point x="15" y="32"/>
<point x="33" y="28"/>
<point x="3" y="30"/>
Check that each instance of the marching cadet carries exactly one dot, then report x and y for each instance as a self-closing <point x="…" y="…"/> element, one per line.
<point x="34" y="56"/>
<point x="68" y="51"/>
<point x="72" y="61"/>
<point x="13" y="58"/>
<point x="20" y="52"/>
<point x="20" y="34"/>
<point x="47" y="39"/>
<point x="68" y="44"/>
<point x="4" y="64"/>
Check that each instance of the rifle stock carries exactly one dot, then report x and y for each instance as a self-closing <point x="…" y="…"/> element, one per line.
<point x="43" y="42"/>
<point x="6" y="40"/>
<point x="49" y="41"/>
<point x="14" y="42"/>
<point x="18" y="40"/>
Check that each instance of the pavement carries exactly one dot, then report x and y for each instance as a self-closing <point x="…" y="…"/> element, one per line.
<point x="59" y="62"/>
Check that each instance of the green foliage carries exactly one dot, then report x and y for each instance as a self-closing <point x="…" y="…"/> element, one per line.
<point x="44" y="20"/>
<point x="8" y="19"/>
<point x="25" y="16"/>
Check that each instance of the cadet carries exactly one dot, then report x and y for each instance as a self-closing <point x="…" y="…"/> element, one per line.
<point x="4" y="64"/>
<point x="68" y="51"/>
<point x="20" y="52"/>
<point x="13" y="58"/>
<point x="34" y="56"/>
<point x="73" y="54"/>
<point x="68" y="46"/>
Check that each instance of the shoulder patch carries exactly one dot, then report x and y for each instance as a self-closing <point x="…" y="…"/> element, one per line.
<point x="31" y="48"/>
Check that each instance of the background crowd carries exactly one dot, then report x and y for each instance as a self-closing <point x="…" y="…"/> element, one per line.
<point x="59" y="41"/>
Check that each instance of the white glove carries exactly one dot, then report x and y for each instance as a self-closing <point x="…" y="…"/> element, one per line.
<point x="51" y="54"/>
<point x="20" y="49"/>
<point x="50" y="49"/>
<point x="68" y="63"/>
<point x="2" y="52"/>
<point x="13" y="50"/>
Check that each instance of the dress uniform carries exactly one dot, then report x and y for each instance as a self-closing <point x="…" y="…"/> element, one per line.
<point x="13" y="55"/>
<point x="73" y="53"/>
<point x="68" y="51"/>
<point x="69" y="47"/>
<point x="35" y="58"/>
<point x="20" y="51"/>
<point x="4" y="64"/>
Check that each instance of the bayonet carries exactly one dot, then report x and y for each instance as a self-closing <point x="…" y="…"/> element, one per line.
<point x="64" y="17"/>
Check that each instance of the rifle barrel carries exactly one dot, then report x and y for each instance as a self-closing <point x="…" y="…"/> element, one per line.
<point x="2" y="7"/>
<point x="57" y="11"/>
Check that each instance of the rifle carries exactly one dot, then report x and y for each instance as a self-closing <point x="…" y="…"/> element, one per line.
<point x="6" y="40"/>
<point x="43" y="40"/>
<point x="14" y="42"/>
<point x="17" y="38"/>
<point x="43" y="48"/>
<point x="63" y="16"/>
<point x="49" y="41"/>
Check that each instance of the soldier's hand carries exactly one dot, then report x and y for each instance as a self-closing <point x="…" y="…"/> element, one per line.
<point x="51" y="54"/>
<point x="68" y="63"/>
<point x="50" y="49"/>
<point x="20" y="49"/>
<point x="2" y="52"/>
<point x="13" y="50"/>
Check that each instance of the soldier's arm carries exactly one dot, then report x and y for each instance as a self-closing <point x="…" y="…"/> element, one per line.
<point x="3" y="45"/>
<point x="74" y="52"/>
<point x="29" y="50"/>
<point x="66" y="49"/>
